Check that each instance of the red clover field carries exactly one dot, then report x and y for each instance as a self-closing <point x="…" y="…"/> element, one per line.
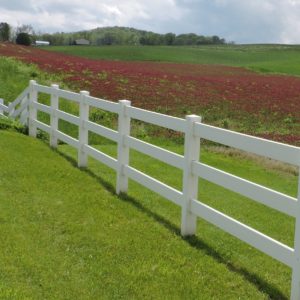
<point x="266" y="105"/>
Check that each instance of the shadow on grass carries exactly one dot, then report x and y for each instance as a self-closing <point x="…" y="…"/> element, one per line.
<point x="193" y="241"/>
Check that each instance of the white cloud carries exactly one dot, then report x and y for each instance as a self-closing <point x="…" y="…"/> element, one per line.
<point x="260" y="21"/>
<point x="290" y="32"/>
<point x="238" y="20"/>
<point x="70" y="15"/>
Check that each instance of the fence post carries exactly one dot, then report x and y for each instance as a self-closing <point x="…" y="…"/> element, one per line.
<point x="53" y="116"/>
<point x="1" y="110"/>
<point x="123" y="151"/>
<point x="32" y="109"/>
<point x="295" y="290"/>
<point x="190" y="182"/>
<point x="24" y="113"/>
<point x="83" y="132"/>
<point x="11" y="109"/>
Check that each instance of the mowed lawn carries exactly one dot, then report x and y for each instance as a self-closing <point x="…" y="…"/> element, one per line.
<point x="66" y="235"/>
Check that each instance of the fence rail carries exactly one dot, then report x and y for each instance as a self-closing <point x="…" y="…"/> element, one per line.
<point x="278" y="151"/>
<point x="26" y="106"/>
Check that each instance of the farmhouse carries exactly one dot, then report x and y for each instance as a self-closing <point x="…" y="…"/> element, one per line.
<point x="42" y="43"/>
<point x="82" y="42"/>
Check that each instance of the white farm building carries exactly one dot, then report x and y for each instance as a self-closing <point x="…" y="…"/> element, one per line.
<point x="42" y="43"/>
<point x="82" y="42"/>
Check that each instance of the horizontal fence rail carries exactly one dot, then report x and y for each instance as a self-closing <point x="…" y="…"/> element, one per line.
<point x="278" y="151"/>
<point x="245" y="233"/>
<point x="159" y="153"/>
<point x="102" y="130"/>
<point x="20" y="98"/>
<point x="18" y="106"/>
<point x="154" y="118"/>
<point x="154" y="185"/>
<point x="266" y="196"/>
<point x="26" y="106"/>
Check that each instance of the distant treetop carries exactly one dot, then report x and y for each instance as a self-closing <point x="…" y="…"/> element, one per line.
<point x="4" y="32"/>
<point x="23" y="38"/>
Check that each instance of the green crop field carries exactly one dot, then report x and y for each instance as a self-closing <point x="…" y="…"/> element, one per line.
<point x="283" y="59"/>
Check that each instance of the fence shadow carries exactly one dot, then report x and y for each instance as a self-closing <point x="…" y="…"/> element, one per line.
<point x="262" y="285"/>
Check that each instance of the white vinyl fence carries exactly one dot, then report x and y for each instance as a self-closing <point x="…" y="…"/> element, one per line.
<point x="26" y="106"/>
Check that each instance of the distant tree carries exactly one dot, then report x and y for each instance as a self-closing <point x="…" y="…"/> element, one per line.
<point x="23" y="38"/>
<point x="216" y="39"/>
<point x="131" y="39"/>
<point x="181" y="39"/>
<point x="46" y="37"/>
<point x="169" y="38"/>
<point x="143" y="40"/>
<point x="57" y="38"/>
<point x="4" y="31"/>
<point x="151" y="38"/>
<point x="109" y="39"/>
<point x="25" y="28"/>
<point x="222" y="41"/>
<point x="208" y="40"/>
<point x="201" y="40"/>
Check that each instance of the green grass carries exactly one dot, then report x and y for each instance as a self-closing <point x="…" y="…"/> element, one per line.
<point x="66" y="235"/>
<point x="22" y="74"/>
<point x="284" y="59"/>
<point x="15" y="76"/>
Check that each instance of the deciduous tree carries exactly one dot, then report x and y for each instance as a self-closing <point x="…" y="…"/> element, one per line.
<point x="23" y="38"/>
<point x="4" y="31"/>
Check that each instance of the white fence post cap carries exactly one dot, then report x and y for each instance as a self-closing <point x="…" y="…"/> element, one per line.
<point x="194" y="118"/>
<point x="125" y="102"/>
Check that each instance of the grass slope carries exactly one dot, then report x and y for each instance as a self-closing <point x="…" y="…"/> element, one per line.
<point x="283" y="59"/>
<point x="15" y="76"/>
<point x="65" y="235"/>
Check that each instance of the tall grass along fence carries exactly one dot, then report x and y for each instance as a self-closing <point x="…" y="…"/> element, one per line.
<point x="26" y="107"/>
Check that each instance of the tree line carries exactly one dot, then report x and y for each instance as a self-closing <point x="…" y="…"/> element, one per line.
<point x="130" y="36"/>
<point x="107" y="36"/>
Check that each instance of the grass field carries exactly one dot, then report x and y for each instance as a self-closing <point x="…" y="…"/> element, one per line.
<point x="283" y="59"/>
<point x="65" y="235"/>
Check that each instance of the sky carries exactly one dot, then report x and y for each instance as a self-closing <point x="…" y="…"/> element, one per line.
<point x="241" y="21"/>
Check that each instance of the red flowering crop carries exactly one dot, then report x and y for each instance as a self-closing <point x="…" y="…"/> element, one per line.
<point x="220" y="93"/>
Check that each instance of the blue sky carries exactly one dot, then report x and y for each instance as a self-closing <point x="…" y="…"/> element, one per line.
<point x="242" y="21"/>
